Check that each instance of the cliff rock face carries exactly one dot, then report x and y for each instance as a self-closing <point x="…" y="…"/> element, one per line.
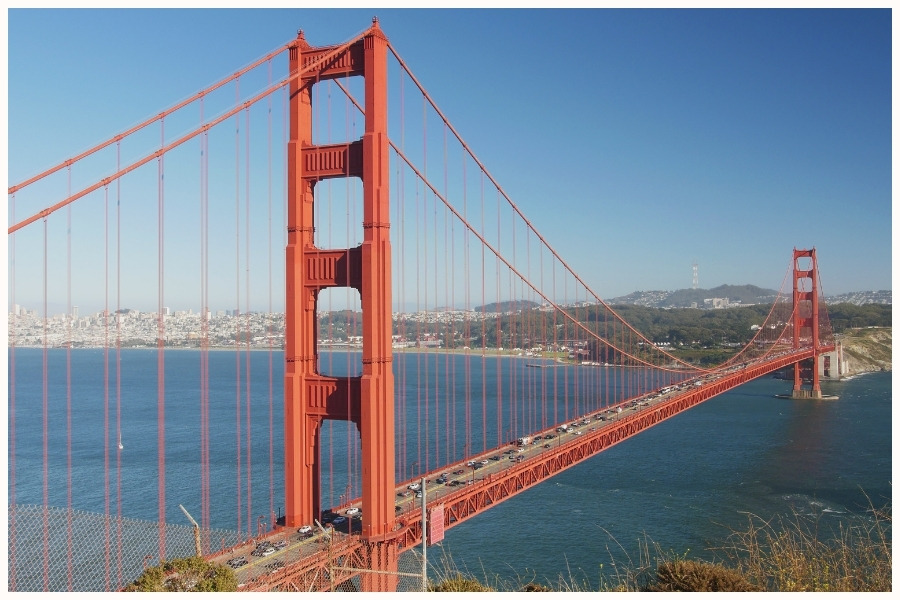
<point x="866" y="350"/>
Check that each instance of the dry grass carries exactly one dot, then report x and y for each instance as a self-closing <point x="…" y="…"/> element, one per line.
<point x="784" y="555"/>
<point x="799" y="556"/>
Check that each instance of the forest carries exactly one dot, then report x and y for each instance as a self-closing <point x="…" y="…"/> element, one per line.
<point x="677" y="327"/>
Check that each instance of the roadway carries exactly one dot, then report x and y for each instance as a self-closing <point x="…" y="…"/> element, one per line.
<point x="449" y="484"/>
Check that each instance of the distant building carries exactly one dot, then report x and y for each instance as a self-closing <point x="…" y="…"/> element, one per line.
<point x="716" y="302"/>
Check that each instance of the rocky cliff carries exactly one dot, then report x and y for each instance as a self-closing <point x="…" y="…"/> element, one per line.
<point x="866" y="350"/>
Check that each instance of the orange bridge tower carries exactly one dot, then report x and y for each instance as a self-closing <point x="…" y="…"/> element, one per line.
<point x="310" y="397"/>
<point x="806" y="320"/>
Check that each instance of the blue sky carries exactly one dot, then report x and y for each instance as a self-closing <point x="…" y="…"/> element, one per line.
<point x="637" y="141"/>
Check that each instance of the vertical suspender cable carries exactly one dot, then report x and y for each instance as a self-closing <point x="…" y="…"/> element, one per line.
<point x="467" y="287"/>
<point x="423" y="374"/>
<point x="45" y="440"/>
<point x="515" y="412"/>
<point x="449" y="337"/>
<point x="247" y="313"/>
<point x="119" y="534"/>
<point x="483" y="319"/>
<point x="419" y="377"/>
<point x="11" y="575"/>
<point x="204" y="330"/>
<point x="400" y="256"/>
<point x="567" y="342"/>
<point x="579" y="370"/>
<point x="69" y="537"/>
<point x="108" y="549"/>
<point x="237" y="310"/>
<point x="160" y="361"/>
<point x="556" y="347"/>
<point x="447" y="325"/>
<point x="499" y="341"/>
<point x="269" y="315"/>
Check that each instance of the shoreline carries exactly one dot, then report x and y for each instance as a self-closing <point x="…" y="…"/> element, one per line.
<point x="556" y="361"/>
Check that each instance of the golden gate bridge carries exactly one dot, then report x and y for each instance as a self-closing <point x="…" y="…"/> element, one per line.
<point x="386" y="209"/>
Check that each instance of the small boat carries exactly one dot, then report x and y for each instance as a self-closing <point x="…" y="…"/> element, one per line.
<point x="120" y="442"/>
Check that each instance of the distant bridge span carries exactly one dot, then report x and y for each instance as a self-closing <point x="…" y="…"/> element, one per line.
<point x="499" y="481"/>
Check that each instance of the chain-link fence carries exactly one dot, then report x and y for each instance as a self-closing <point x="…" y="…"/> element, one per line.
<point x="59" y="550"/>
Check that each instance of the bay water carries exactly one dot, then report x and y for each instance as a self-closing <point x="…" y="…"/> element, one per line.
<point x="682" y="485"/>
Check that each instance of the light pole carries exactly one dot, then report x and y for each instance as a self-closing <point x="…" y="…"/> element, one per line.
<point x="259" y="525"/>
<point x="412" y="469"/>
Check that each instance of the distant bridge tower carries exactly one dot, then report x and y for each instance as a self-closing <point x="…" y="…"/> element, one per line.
<point x="806" y="319"/>
<point x="310" y="398"/>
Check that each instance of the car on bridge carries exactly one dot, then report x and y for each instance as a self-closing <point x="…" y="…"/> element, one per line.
<point x="274" y="566"/>
<point x="305" y="529"/>
<point x="352" y="511"/>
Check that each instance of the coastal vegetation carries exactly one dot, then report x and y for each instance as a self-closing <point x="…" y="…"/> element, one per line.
<point x="781" y="555"/>
<point x="691" y="327"/>
<point x="185" y="575"/>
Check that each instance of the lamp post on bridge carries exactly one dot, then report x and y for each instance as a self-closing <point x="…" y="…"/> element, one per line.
<point x="259" y="524"/>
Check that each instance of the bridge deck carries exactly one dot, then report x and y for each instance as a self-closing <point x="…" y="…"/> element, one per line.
<point x="318" y="560"/>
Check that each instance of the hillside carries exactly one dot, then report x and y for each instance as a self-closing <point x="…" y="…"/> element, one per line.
<point x="867" y="349"/>
<point x="736" y="294"/>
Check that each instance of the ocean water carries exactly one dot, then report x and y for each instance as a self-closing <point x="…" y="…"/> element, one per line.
<point x="687" y="483"/>
<point x="682" y="485"/>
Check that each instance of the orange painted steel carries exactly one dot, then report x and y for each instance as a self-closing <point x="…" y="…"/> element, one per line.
<point x="291" y="80"/>
<point x="474" y="499"/>
<point x="368" y="400"/>
<point x="354" y="552"/>
<point x="147" y="122"/>
<point x="806" y="317"/>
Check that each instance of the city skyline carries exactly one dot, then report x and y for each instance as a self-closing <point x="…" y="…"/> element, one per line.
<point x="721" y="137"/>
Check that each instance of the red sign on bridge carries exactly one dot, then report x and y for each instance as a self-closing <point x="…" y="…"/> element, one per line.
<point x="436" y="525"/>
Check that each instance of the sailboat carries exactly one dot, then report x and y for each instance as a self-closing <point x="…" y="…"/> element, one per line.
<point x="120" y="442"/>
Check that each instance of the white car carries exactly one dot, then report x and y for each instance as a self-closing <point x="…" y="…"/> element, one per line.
<point x="413" y="486"/>
<point x="305" y="529"/>
<point x="352" y="510"/>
